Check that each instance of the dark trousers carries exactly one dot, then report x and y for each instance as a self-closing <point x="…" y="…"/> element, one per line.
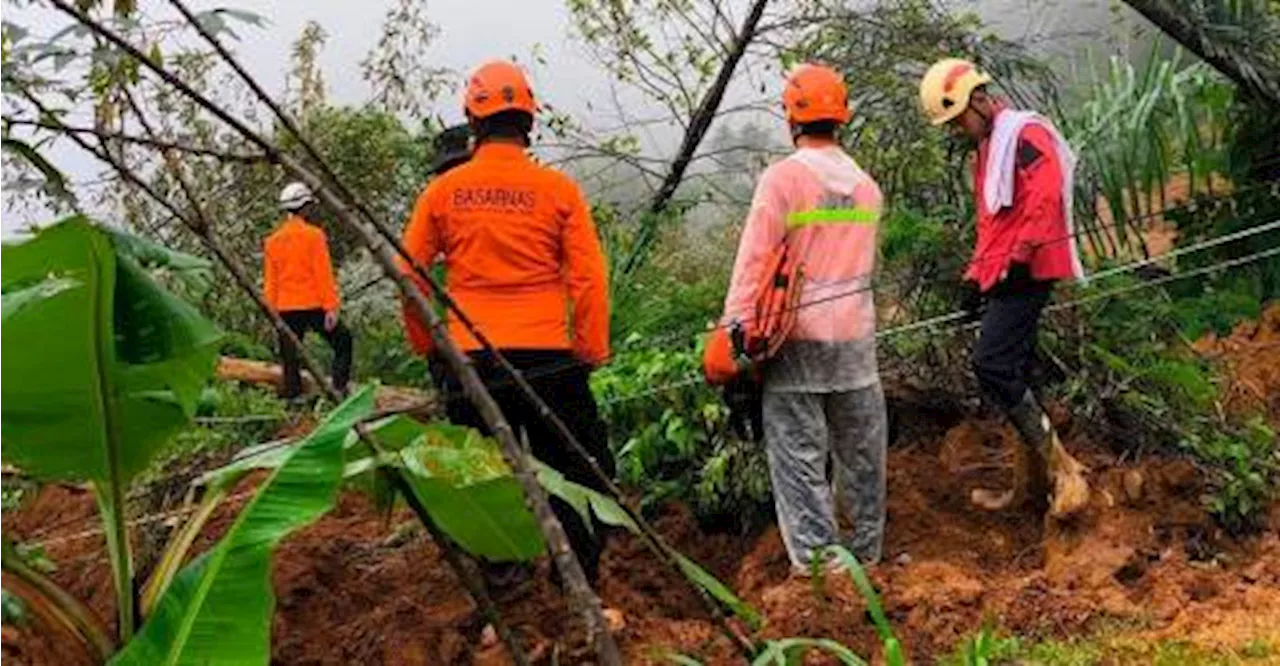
<point x="339" y="339"/>
<point x="1007" y="343"/>
<point x="562" y="383"/>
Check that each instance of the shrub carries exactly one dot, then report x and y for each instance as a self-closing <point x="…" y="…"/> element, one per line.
<point x="1244" y="469"/>
<point x="675" y="443"/>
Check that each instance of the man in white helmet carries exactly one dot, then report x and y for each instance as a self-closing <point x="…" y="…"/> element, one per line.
<point x="298" y="283"/>
<point x="1025" y="243"/>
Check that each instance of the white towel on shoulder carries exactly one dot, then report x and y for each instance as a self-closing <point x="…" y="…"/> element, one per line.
<point x="1002" y="151"/>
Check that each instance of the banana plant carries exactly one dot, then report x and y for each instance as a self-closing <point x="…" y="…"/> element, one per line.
<point x="103" y="367"/>
<point x="218" y="609"/>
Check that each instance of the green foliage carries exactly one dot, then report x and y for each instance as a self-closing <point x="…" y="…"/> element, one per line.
<point x="1106" y="649"/>
<point x="882" y="51"/>
<point x="457" y="476"/>
<point x="374" y="155"/>
<point x="228" y="415"/>
<point x="96" y="406"/>
<point x="1256" y="649"/>
<point x="1131" y="370"/>
<point x="663" y="278"/>
<point x="219" y="608"/>
<point x="461" y="480"/>
<point x="1137" y="128"/>
<point x="792" y="651"/>
<point x="102" y="371"/>
<point x="1244" y="464"/>
<point x="676" y="443"/>
<point x="919" y="268"/>
<point x="466" y="487"/>
<point x="13" y="610"/>
<point x="1135" y="348"/>
<point x="985" y="648"/>
<point x="893" y="655"/>
<point x="381" y="349"/>
<point x="1252" y="204"/>
<point x="13" y="490"/>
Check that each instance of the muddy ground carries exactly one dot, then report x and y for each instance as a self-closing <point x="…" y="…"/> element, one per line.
<point x="359" y="588"/>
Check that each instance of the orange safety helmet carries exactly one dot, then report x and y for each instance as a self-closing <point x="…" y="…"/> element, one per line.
<point x="814" y="93"/>
<point x="498" y="86"/>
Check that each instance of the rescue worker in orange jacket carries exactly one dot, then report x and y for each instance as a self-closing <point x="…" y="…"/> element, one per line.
<point x="523" y="261"/>
<point x="298" y="283"/>
<point x="1025" y="243"/>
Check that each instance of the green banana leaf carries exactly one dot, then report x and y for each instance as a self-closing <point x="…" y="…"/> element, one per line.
<point x="457" y="474"/>
<point x="610" y="512"/>
<point x="102" y="367"/>
<point x="196" y="273"/>
<point x="218" y="609"/>
<point x="469" y="492"/>
<point x="102" y="372"/>
<point x="461" y="479"/>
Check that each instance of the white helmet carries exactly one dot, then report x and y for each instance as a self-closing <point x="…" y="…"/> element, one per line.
<point x="295" y="195"/>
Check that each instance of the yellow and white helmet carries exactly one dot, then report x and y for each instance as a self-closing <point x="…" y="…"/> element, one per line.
<point x="946" y="87"/>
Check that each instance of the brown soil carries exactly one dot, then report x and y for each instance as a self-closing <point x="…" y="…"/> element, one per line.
<point x="361" y="588"/>
<point x="1251" y="356"/>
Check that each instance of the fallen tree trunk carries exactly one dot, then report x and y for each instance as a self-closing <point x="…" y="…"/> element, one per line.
<point x="417" y="402"/>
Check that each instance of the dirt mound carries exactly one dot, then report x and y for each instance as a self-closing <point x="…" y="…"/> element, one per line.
<point x="1251" y="359"/>
<point x="359" y="587"/>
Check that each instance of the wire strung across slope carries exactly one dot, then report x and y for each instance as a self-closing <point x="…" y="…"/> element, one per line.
<point x="660" y="341"/>
<point x="941" y="320"/>
<point x="657" y="343"/>
<point x="1120" y="223"/>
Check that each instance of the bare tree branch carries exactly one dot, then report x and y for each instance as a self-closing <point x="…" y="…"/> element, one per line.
<point x="706" y="112"/>
<point x="156" y="143"/>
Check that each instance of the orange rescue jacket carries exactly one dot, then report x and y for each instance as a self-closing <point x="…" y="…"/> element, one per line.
<point x="521" y="255"/>
<point x="297" y="274"/>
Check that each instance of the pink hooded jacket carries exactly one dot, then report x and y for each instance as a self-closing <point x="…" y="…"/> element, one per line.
<point x="822" y="202"/>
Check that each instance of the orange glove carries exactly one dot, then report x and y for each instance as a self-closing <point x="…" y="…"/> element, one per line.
<point x="718" y="362"/>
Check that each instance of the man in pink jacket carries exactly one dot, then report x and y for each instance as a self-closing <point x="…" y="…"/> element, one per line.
<point x="1025" y="243"/>
<point x="822" y="400"/>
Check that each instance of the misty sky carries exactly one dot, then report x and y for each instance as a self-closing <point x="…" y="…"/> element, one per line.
<point x="474" y="30"/>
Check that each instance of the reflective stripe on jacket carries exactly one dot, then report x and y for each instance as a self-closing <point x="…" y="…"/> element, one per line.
<point x="1033" y="229"/>
<point x="297" y="273"/>
<point x="521" y="255"/>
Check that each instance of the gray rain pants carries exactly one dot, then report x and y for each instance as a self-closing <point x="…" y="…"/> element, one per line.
<point x="803" y="432"/>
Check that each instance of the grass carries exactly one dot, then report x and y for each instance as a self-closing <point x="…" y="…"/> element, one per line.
<point x="1112" y="645"/>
